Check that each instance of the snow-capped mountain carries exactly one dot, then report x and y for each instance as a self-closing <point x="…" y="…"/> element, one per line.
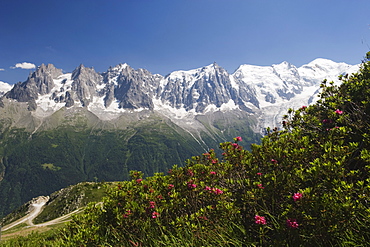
<point x="282" y="86"/>
<point x="263" y="91"/>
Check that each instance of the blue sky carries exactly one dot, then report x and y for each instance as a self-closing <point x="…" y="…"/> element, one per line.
<point x="167" y="35"/>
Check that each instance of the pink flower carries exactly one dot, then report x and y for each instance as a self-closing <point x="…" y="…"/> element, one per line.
<point x="303" y="107"/>
<point x="260" y="220"/>
<point x="274" y="161"/>
<point x="292" y="223"/>
<point x="191" y="185"/>
<point x="151" y="204"/>
<point x="217" y="191"/>
<point x="260" y="186"/>
<point x="139" y="180"/>
<point x="297" y="196"/>
<point x="213" y="173"/>
<point x="339" y="112"/>
<point x="235" y="145"/>
<point x="171" y="186"/>
<point x="155" y="215"/>
<point x="238" y="138"/>
<point x="214" y="161"/>
<point x="208" y="188"/>
<point x="259" y="173"/>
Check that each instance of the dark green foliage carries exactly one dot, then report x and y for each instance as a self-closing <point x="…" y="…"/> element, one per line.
<point x="80" y="156"/>
<point x="46" y="161"/>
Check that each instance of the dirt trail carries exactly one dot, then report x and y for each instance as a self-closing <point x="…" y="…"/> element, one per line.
<point x="61" y="219"/>
<point x="34" y="210"/>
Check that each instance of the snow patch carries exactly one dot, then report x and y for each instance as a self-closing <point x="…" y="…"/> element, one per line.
<point x="223" y="108"/>
<point x="170" y="111"/>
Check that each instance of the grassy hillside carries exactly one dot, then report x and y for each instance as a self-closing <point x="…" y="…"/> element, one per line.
<point x="66" y="151"/>
<point x="61" y="205"/>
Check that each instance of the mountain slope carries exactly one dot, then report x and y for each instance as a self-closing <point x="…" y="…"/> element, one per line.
<point x="58" y="128"/>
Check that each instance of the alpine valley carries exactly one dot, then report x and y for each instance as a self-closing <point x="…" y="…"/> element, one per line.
<point x="58" y="129"/>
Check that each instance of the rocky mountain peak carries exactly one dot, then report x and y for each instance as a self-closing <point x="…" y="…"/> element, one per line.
<point x="197" y="89"/>
<point x="134" y="89"/>
<point x="48" y="69"/>
<point x="85" y="82"/>
<point x="40" y="82"/>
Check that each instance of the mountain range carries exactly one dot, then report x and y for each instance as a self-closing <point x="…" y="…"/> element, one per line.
<point x="265" y="91"/>
<point x="58" y="128"/>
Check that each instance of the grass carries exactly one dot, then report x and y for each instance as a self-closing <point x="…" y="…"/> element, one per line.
<point x="24" y="230"/>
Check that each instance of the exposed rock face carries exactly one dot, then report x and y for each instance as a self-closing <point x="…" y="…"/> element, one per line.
<point x="32" y="105"/>
<point x="247" y="94"/>
<point x="38" y="83"/>
<point x="108" y="92"/>
<point x="68" y="99"/>
<point x="197" y="89"/>
<point x="133" y="89"/>
<point x="85" y="82"/>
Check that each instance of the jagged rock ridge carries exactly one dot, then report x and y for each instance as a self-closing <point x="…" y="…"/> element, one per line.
<point x="254" y="89"/>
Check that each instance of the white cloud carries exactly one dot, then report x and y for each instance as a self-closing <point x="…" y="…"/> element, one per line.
<point x="24" y="65"/>
<point x="1" y="69"/>
<point x="4" y="87"/>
